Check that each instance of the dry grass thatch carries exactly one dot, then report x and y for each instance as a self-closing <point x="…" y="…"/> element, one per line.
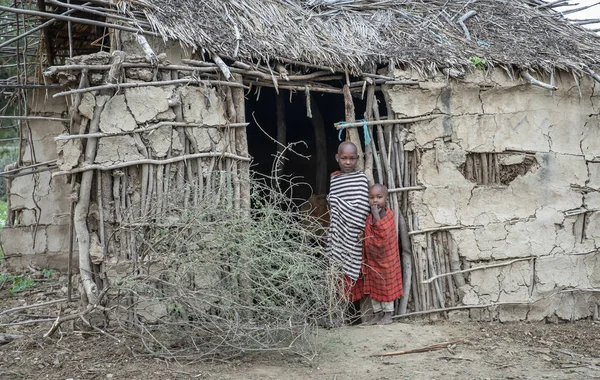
<point x="350" y="34"/>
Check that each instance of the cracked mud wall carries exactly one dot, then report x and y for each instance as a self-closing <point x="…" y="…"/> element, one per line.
<point x="548" y="212"/>
<point x="36" y="233"/>
<point x="41" y="203"/>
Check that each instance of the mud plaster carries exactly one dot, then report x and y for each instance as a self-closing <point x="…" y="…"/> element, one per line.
<point x="544" y="143"/>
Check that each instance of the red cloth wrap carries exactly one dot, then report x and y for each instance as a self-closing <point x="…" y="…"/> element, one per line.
<point x="381" y="260"/>
<point x="353" y="290"/>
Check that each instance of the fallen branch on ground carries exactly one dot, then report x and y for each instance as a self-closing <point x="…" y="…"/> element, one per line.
<point x="432" y="347"/>
<point x="32" y="306"/>
<point x="7" y="338"/>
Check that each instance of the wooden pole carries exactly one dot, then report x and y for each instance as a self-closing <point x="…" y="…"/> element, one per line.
<point x="389" y="121"/>
<point x="369" y="160"/>
<point x="145" y="161"/>
<point x="321" y="148"/>
<point x="281" y="136"/>
<point x="77" y="20"/>
<point x="187" y="81"/>
<point x="241" y="145"/>
<point x="351" y="133"/>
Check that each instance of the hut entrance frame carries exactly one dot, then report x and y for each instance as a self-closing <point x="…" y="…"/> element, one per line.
<point x="291" y="137"/>
<point x="362" y="107"/>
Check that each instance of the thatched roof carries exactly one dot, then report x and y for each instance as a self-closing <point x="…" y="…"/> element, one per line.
<point x="349" y="34"/>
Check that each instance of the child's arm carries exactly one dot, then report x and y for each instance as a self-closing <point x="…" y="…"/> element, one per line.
<point x="378" y="213"/>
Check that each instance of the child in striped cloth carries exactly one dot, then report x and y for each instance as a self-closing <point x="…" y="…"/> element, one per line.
<point x="381" y="257"/>
<point x="349" y="207"/>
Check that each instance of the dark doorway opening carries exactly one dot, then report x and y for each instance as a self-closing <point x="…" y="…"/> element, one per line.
<point x="261" y="113"/>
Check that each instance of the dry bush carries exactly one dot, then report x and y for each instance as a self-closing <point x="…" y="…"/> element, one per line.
<point x="216" y="281"/>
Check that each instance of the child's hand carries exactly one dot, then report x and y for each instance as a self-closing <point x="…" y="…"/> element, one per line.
<point x="375" y="210"/>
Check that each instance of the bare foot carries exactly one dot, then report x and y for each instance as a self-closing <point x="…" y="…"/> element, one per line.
<point x="376" y="318"/>
<point x="386" y="319"/>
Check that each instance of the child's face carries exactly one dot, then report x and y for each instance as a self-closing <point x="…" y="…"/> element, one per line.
<point x="377" y="196"/>
<point x="347" y="158"/>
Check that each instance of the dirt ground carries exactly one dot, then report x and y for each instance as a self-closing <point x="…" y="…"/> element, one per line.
<point x="490" y="350"/>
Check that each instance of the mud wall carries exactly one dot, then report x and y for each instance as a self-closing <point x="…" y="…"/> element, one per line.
<point x="182" y="121"/>
<point x="37" y="225"/>
<point x="514" y="170"/>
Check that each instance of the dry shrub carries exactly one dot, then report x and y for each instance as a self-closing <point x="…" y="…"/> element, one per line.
<point x="216" y="281"/>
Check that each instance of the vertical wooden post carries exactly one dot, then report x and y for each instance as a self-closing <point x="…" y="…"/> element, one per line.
<point x="352" y="133"/>
<point x="369" y="147"/>
<point x="321" y="148"/>
<point x="404" y="239"/>
<point x="281" y="136"/>
<point x="241" y="145"/>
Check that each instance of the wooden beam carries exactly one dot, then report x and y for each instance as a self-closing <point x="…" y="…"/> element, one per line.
<point x="343" y="124"/>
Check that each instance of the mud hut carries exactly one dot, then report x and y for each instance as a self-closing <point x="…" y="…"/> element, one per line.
<point x="480" y="116"/>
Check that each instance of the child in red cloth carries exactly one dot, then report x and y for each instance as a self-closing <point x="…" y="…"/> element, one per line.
<point x="381" y="257"/>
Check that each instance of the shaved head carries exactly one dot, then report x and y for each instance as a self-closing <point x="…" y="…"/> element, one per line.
<point x="347" y="147"/>
<point x="379" y="188"/>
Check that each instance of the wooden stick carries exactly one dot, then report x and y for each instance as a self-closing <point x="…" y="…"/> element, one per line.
<point x="320" y="147"/>
<point x="552" y="4"/>
<point x="592" y="73"/>
<point x="187" y="82"/>
<point x="279" y="164"/>
<point x="27" y="322"/>
<point x="222" y="65"/>
<point x="53" y="70"/>
<point x="375" y="115"/>
<point x="586" y="22"/>
<point x="245" y="71"/>
<point x="441" y="228"/>
<point x="8" y="172"/>
<point x="340" y="125"/>
<point x="16" y="117"/>
<point x="33" y="306"/>
<point x="525" y="75"/>
<point x="431" y="261"/>
<point x="377" y="76"/>
<point x="577" y="212"/>
<point x="313" y="88"/>
<point x="85" y="9"/>
<point x="146" y="129"/>
<point x="241" y="146"/>
<point x="459" y="279"/>
<point x="369" y="151"/>
<point x="100" y="204"/>
<point x="352" y="134"/>
<point x="77" y="20"/>
<point x="151" y="161"/>
<point x="312" y="75"/>
<point x="476" y="268"/>
<point x="299" y="63"/>
<point x="81" y="213"/>
<point x="432" y="347"/>
<point x="39" y="27"/>
<point x="446" y="254"/>
<point x="71" y="243"/>
<point x="439" y="265"/>
<point x="7" y="338"/>
<point x="408" y="188"/>
<point x="461" y="22"/>
<point x="484" y="169"/>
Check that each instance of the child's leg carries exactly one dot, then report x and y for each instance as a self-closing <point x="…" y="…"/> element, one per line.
<point x="377" y="306"/>
<point x="377" y="312"/>
<point x="388" y="310"/>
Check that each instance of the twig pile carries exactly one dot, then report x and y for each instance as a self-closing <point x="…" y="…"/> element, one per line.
<point x="216" y="281"/>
